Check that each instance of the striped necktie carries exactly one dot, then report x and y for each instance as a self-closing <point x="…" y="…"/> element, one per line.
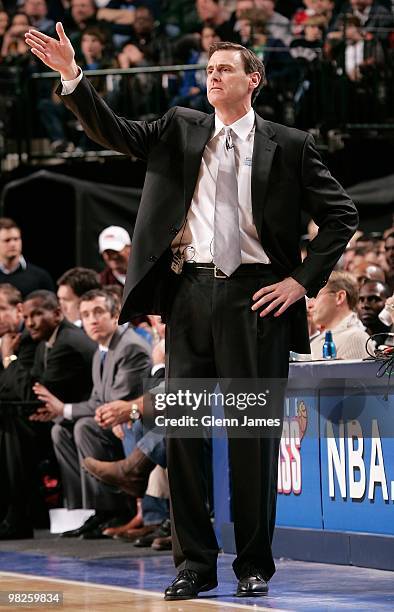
<point x="226" y="237"/>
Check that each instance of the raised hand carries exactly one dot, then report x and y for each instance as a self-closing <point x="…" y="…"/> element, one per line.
<point x="56" y="54"/>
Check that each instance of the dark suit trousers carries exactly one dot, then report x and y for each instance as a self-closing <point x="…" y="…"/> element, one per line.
<point x="73" y="442"/>
<point x="212" y="332"/>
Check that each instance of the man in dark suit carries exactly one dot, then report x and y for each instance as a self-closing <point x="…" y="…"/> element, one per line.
<point x="120" y="364"/>
<point x="62" y="361"/>
<point x="17" y="436"/>
<point x="225" y="192"/>
<point x="63" y="358"/>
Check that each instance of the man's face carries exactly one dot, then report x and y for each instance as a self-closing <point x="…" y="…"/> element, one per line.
<point x="206" y="9"/>
<point x="10" y="244"/>
<point x="40" y="321"/>
<point x="35" y="8"/>
<point x="389" y="250"/>
<point x="143" y="21"/>
<point x="117" y="260"/>
<point x="370" y="303"/>
<point x="208" y="37"/>
<point x="91" y="46"/>
<point x="243" y="5"/>
<point x="366" y="272"/>
<point x="267" y="6"/>
<point x="69" y="303"/>
<point x="10" y="316"/>
<point x="81" y="10"/>
<point x="97" y="321"/>
<point x="228" y="85"/>
<point x="323" y="308"/>
<point x="3" y="22"/>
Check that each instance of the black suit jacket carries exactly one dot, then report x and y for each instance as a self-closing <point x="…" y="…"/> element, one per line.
<point x="287" y="176"/>
<point x="13" y="378"/>
<point x="67" y="369"/>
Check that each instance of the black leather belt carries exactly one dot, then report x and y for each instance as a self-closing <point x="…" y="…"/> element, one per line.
<point x="253" y="269"/>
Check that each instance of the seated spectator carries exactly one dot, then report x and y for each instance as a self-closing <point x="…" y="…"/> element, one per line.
<point x="63" y="358"/>
<point x="308" y="46"/>
<point x="53" y="114"/>
<point x="334" y="309"/>
<point x="143" y="452"/>
<point x="326" y="9"/>
<point x="381" y="256"/>
<point x="389" y="251"/>
<point x="71" y="287"/>
<point x="18" y="460"/>
<point x="62" y="361"/>
<point x="193" y="89"/>
<point x="14" y="269"/>
<point x="366" y="271"/>
<point x="353" y="257"/>
<point x="145" y="45"/>
<point x="310" y="9"/>
<point x="356" y="49"/>
<point x="115" y="248"/>
<point x="119" y="367"/>
<point x="389" y="307"/>
<point x="37" y="11"/>
<point x="14" y="49"/>
<point x="372" y="15"/>
<point x="254" y="34"/>
<point x="371" y="302"/>
<point x="278" y="26"/>
<point x="143" y="32"/>
<point x="214" y="14"/>
<point x="81" y="15"/>
<point x="16" y="345"/>
<point x="4" y="19"/>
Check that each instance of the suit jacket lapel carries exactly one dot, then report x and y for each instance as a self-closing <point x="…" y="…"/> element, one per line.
<point x="263" y="154"/>
<point x="109" y="360"/>
<point x="196" y="137"/>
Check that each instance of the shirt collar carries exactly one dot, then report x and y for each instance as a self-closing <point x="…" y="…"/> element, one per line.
<point x="49" y="343"/>
<point x="21" y="264"/>
<point x="242" y="127"/>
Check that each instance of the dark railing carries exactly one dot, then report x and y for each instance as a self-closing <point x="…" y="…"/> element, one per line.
<point x="314" y="95"/>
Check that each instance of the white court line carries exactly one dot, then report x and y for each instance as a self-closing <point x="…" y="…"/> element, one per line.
<point x="155" y="594"/>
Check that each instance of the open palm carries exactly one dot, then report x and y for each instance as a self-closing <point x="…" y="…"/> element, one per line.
<point x="56" y="54"/>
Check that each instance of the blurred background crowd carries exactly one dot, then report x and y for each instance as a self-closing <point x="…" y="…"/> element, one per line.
<point x="327" y="61"/>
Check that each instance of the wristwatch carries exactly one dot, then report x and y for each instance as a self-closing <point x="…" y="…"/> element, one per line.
<point x="8" y="359"/>
<point x="134" y="413"/>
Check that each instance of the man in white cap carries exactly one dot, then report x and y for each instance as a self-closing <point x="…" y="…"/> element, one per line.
<point x="114" y="246"/>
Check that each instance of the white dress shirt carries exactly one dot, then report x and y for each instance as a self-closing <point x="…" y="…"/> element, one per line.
<point x="196" y="243"/>
<point x="195" y="239"/>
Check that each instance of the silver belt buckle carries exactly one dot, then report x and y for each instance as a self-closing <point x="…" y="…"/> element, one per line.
<point x="218" y="273"/>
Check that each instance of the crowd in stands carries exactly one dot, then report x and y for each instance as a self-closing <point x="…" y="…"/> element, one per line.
<point x="316" y="53"/>
<point x="74" y="385"/>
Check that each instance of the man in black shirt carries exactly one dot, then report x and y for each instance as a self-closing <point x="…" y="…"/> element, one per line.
<point x="14" y="269"/>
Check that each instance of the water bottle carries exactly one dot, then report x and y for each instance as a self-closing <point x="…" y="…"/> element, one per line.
<point x="329" y="348"/>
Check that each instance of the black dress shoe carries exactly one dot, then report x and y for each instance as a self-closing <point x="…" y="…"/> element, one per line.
<point x="252" y="585"/>
<point x="162" y="531"/>
<point x="8" y="531"/>
<point x="188" y="584"/>
<point x="90" y="525"/>
<point x="96" y="533"/>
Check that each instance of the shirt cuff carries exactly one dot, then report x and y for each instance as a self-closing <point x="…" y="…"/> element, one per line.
<point x="70" y="86"/>
<point x="68" y="411"/>
<point x="156" y="368"/>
